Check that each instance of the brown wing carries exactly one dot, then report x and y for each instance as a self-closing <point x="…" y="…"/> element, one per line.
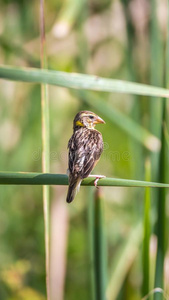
<point x="94" y="150"/>
<point x="85" y="148"/>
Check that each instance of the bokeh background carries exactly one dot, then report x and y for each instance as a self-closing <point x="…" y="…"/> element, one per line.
<point x="110" y="38"/>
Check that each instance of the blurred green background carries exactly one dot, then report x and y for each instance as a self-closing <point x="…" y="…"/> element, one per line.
<point x="110" y="38"/>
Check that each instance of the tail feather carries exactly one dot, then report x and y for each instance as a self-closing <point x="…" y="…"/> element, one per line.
<point x="73" y="189"/>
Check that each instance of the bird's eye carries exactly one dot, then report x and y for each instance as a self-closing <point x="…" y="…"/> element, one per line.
<point x="91" y="117"/>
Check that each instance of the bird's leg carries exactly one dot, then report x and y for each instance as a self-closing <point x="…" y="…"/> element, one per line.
<point x="98" y="177"/>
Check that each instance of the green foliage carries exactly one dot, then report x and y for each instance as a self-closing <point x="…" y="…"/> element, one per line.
<point x="113" y="40"/>
<point x="80" y="81"/>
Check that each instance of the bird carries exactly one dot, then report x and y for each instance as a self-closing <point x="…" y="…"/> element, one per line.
<point x="85" y="148"/>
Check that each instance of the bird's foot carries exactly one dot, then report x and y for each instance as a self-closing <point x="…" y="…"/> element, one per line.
<point x="98" y="177"/>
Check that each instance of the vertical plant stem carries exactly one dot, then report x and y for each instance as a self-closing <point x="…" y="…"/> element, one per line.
<point x="156" y="79"/>
<point x="159" y="274"/>
<point x="98" y="249"/>
<point x="91" y="242"/>
<point x="135" y="114"/>
<point x="163" y="169"/>
<point x="158" y="167"/>
<point x="45" y="147"/>
<point x="146" y="238"/>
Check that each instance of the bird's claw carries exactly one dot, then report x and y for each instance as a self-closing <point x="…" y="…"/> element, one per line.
<point x="98" y="177"/>
<point x="95" y="182"/>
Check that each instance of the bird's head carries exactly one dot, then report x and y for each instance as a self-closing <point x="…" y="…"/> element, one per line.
<point x="86" y="119"/>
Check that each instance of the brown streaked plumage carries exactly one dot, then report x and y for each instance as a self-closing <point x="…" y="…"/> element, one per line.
<point x="85" y="147"/>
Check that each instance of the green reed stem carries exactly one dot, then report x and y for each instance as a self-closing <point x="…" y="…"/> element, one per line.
<point x="163" y="170"/>
<point x="146" y="232"/>
<point x="80" y="81"/>
<point x="99" y="249"/>
<point x="45" y="147"/>
<point x="22" y="178"/>
<point x="159" y="274"/>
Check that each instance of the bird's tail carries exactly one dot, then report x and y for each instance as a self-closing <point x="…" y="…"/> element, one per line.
<point x="73" y="189"/>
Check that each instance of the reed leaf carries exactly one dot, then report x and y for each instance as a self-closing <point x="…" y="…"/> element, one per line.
<point x="21" y="178"/>
<point x="99" y="248"/>
<point x="146" y="233"/>
<point x="45" y="147"/>
<point x="156" y="78"/>
<point x="162" y="170"/>
<point x="159" y="278"/>
<point x="80" y="81"/>
<point x="91" y="243"/>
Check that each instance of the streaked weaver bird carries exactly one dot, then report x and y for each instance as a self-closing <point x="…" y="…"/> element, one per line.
<point x="85" y="147"/>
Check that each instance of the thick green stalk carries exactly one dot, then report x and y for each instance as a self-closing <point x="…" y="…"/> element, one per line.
<point x="45" y="148"/>
<point x="156" y="79"/>
<point x="156" y="64"/>
<point x="146" y="238"/>
<point x="163" y="170"/>
<point x="11" y="178"/>
<point x="91" y="242"/>
<point x="159" y="274"/>
<point x="80" y="81"/>
<point x="99" y="249"/>
<point x="136" y="109"/>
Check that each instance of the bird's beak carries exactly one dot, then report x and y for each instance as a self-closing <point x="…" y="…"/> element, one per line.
<point x="98" y="120"/>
